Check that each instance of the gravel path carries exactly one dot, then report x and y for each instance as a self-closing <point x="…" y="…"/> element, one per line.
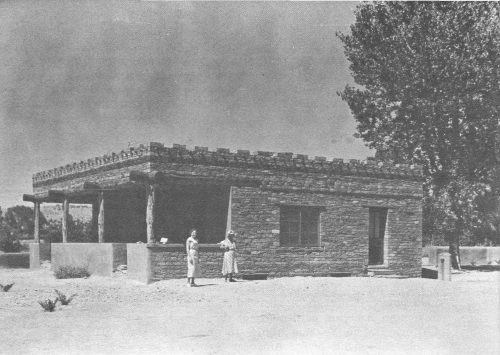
<point x="301" y="315"/>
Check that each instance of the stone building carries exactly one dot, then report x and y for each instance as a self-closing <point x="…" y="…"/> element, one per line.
<point x="293" y="215"/>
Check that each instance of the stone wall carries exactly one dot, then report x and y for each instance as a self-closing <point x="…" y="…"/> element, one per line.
<point x="170" y="261"/>
<point x="343" y="234"/>
<point x="15" y="260"/>
<point x="39" y="252"/>
<point x="139" y="262"/>
<point x="262" y="182"/>
<point x="98" y="258"/>
<point x="150" y="263"/>
<point x="468" y="255"/>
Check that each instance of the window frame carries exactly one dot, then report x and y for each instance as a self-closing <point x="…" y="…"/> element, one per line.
<point x="300" y="210"/>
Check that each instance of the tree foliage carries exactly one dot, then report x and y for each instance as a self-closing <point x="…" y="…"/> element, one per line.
<point x="427" y="92"/>
<point x="18" y="223"/>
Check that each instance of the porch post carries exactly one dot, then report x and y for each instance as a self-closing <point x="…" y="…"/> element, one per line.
<point x="65" y="211"/>
<point x="36" y="230"/>
<point x="95" y="214"/>
<point x="150" y="215"/>
<point x="229" y="211"/>
<point x="100" y="218"/>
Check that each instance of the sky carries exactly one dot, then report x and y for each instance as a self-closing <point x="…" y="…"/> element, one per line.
<point x="86" y="78"/>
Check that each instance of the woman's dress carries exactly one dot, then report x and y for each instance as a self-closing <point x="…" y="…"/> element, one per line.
<point x="194" y="268"/>
<point x="229" y="265"/>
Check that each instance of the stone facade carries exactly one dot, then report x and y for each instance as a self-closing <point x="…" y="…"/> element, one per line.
<point x="260" y="185"/>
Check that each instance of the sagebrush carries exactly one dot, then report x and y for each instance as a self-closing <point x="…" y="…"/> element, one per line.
<point x="71" y="272"/>
<point x="48" y="305"/>
<point x="65" y="300"/>
<point x="6" y="288"/>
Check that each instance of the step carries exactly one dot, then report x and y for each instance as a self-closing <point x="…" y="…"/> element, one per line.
<point x="381" y="271"/>
<point x="390" y="276"/>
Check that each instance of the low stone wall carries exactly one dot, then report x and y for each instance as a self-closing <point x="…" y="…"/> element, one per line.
<point x="468" y="255"/>
<point x="99" y="258"/>
<point x="39" y="252"/>
<point x="15" y="260"/>
<point x="170" y="261"/>
<point x="150" y="263"/>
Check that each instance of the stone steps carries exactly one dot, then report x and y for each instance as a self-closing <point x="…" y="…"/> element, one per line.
<point x="383" y="272"/>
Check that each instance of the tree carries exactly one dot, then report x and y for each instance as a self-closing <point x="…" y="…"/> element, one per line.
<point x="19" y="221"/>
<point x="427" y="92"/>
<point x="8" y="242"/>
<point x="78" y="231"/>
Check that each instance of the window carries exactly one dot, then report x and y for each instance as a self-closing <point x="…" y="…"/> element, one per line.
<point x="299" y="226"/>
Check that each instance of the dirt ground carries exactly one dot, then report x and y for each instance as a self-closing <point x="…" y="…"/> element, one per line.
<point x="300" y="315"/>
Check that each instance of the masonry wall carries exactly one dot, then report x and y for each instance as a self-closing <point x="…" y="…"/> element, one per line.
<point x="344" y="221"/>
<point x="261" y="184"/>
<point x="468" y="255"/>
<point x="170" y="261"/>
<point x="343" y="234"/>
<point x="39" y="252"/>
<point x="97" y="258"/>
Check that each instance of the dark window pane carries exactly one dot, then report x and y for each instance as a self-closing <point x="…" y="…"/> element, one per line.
<point x="299" y="226"/>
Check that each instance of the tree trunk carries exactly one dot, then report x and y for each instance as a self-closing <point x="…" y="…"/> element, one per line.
<point x="454" y="250"/>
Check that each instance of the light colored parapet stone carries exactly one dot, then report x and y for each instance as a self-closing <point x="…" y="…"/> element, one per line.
<point x="39" y="252"/>
<point x="139" y="262"/>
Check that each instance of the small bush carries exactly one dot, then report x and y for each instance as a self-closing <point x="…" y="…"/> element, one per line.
<point x="48" y="305"/>
<point x="65" y="300"/>
<point x="6" y="288"/>
<point x="9" y="243"/>
<point x="71" y="272"/>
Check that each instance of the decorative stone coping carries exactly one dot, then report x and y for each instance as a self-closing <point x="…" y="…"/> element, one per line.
<point x="157" y="152"/>
<point x="174" y="247"/>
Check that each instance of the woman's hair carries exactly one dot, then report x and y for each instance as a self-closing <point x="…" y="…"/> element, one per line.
<point x="191" y="230"/>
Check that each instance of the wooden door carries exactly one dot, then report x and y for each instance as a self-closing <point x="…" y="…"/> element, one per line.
<point x="378" y="218"/>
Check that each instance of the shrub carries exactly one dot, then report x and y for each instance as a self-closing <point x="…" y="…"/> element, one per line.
<point x="6" y="288"/>
<point x="48" y="305"/>
<point x="9" y="243"/>
<point x="71" y="272"/>
<point x="65" y="300"/>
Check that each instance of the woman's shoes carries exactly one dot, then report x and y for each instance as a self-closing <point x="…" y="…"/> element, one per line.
<point x="232" y="280"/>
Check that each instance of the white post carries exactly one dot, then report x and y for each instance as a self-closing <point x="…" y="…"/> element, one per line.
<point x="100" y="217"/>
<point x="228" y="222"/>
<point x="36" y="230"/>
<point x="150" y="215"/>
<point x="444" y="267"/>
<point x="65" y="211"/>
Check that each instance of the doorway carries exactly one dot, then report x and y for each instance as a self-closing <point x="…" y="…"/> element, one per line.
<point x="378" y="220"/>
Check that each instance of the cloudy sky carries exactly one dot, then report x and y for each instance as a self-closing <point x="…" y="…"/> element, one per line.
<point x="81" y="79"/>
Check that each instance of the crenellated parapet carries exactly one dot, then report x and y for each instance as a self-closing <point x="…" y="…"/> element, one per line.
<point x="157" y="152"/>
<point x="132" y="154"/>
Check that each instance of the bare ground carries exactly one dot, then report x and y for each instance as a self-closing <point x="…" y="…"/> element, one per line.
<point x="282" y="316"/>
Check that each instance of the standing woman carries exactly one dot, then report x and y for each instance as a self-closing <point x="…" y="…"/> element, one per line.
<point x="229" y="266"/>
<point x="192" y="258"/>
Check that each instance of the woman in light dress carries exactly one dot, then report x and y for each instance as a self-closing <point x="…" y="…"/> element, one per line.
<point x="193" y="261"/>
<point x="229" y="266"/>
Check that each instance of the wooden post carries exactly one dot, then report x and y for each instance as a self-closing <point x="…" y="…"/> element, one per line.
<point x="150" y="215"/>
<point x="229" y="211"/>
<point x="65" y="220"/>
<point x="100" y="218"/>
<point x="36" y="230"/>
<point x="95" y="214"/>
